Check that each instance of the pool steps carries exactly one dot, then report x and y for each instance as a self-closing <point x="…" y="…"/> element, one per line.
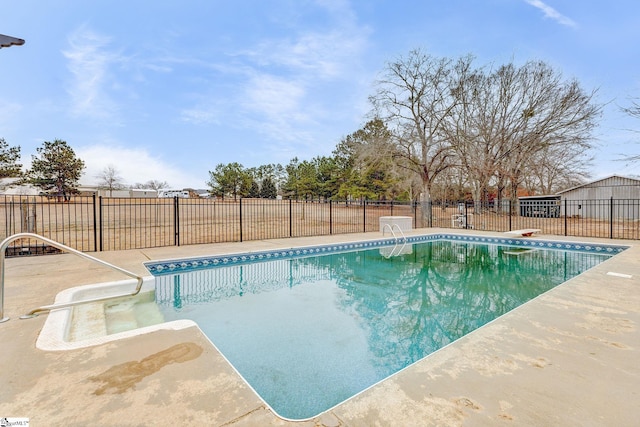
<point x="92" y="321"/>
<point x="106" y="318"/>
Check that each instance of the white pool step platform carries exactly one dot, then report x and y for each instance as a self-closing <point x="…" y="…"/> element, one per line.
<point x="91" y="317"/>
<point x="128" y="316"/>
<point x="105" y="318"/>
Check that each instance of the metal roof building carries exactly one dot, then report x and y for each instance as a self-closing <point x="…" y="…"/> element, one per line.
<point x="616" y="196"/>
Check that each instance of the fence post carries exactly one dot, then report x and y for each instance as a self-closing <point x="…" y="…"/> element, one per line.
<point x="330" y="218"/>
<point x="466" y="215"/>
<point x="101" y="224"/>
<point x="391" y="207"/>
<point x="565" y="216"/>
<point x="9" y="223"/>
<point x="290" y="217"/>
<point x="364" y="215"/>
<point x="510" y="215"/>
<point x="611" y="218"/>
<point x="240" y="207"/>
<point x="431" y="212"/>
<point x="95" y="224"/>
<point x="176" y="222"/>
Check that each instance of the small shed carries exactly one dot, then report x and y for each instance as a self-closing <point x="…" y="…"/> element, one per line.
<point x="615" y="195"/>
<point x="540" y="206"/>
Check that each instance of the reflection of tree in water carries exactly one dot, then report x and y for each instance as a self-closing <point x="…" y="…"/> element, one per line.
<point x="442" y="291"/>
<point x="409" y="305"/>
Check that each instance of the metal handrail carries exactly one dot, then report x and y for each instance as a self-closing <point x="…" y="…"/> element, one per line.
<point x="394" y="234"/>
<point x="395" y="237"/>
<point x="5" y="244"/>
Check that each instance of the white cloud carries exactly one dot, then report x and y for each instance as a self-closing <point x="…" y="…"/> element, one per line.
<point x="323" y="55"/>
<point x="550" y="12"/>
<point x="275" y="79"/>
<point x="279" y="95"/>
<point x="89" y="62"/>
<point x="273" y="96"/>
<point x="133" y="165"/>
<point x="200" y="115"/>
<point x="277" y="108"/>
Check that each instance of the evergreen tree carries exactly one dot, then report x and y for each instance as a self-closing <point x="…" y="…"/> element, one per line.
<point x="268" y="189"/>
<point x="55" y="169"/>
<point x="254" y="190"/>
<point x="9" y="156"/>
<point x="229" y="179"/>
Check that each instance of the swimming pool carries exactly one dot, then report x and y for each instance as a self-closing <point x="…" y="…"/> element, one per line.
<point x="308" y="328"/>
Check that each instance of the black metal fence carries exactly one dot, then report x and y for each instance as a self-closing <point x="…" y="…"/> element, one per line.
<point x="104" y="224"/>
<point x="606" y="218"/>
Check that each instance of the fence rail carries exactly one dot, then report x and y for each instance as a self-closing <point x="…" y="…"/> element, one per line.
<point x="105" y="223"/>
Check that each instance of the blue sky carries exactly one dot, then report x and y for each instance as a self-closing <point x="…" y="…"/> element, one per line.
<point x="168" y="90"/>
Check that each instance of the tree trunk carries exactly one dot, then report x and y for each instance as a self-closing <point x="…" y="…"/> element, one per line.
<point x="425" y="204"/>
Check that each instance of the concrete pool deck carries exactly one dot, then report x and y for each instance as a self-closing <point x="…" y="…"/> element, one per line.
<point x="571" y="357"/>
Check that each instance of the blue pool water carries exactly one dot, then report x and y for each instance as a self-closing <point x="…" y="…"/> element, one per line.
<point x="309" y="332"/>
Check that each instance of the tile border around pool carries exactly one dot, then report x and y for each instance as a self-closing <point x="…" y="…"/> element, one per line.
<point x="157" y="268"/>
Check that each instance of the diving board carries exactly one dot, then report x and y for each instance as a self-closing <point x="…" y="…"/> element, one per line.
<point x="527" y="232"/>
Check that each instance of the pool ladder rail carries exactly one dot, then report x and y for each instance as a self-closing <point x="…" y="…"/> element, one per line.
<point x="404" y="239"/>
<point x="33" y="313"/>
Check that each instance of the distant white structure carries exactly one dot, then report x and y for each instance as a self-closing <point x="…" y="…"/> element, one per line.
<point x="143" y="192"/>
<point x="204" y="194"/>
<point x="10" y="187"/>
<point x="183" y="194"/>
<point x="112" y="193"/>
<point x="90" y="190"/>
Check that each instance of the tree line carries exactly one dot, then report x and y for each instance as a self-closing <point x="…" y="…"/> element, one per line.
<point x="446" y="128"/>
<point x="340" y="176"/>
<point x="56" y="170"/>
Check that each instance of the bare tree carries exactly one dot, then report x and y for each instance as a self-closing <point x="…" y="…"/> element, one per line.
<point x="110" y="179"/>
<point x="152" y="185"/>
<point x="472" y="129"/>
<point x="548" y="113"/>
<point x="557" y="167"/>
<point x="507" y="118"/>
<point x="415" y="98"/>
<point x="633" y="111"/>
